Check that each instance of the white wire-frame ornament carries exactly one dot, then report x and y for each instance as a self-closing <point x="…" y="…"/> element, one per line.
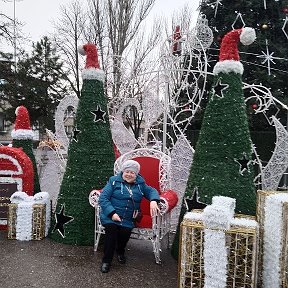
<point x="51" y="166"/>
<point x="124" y="140"/>
<point x="60" y="133"/>
<point x="271" y="174"/>
<point x="215" y="6"/>
<point x="264" y="99"/>
<point x="268" y="57"/>
<point x="239" y="16"/>
<point x="181" y="160"/>
<point x="284" y="28"/>
<point x="184" y="83"/>
<point x="201" y="36"/>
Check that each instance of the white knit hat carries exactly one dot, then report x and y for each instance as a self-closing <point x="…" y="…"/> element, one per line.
<point x="131" y="165"/>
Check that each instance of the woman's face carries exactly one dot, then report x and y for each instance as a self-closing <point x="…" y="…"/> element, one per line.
<point x="129" y="176"/>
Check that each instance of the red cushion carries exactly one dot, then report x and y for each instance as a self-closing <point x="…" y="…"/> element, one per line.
<point x="150" y="171"/>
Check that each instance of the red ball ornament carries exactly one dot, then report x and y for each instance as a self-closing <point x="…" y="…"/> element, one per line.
<point x="254" y="106"/>
<point x="285" y="10"/>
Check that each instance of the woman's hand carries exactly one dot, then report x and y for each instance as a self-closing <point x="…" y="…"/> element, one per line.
<point x="116" y="217"/>
<point x="154" y="209"/>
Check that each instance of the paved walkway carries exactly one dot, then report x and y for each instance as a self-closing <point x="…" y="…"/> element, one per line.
<point x="48" y="264"/>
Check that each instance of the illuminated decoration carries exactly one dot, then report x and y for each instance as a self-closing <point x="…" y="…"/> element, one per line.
<point x="201" y="36"/>
<point x="239" y="16"/>
<point x="268" y="57"/>
<point x="64" y="104"/>
<point x="265" y="26"/>
<point x="92" y="68"/>
<point x="16" y="165"/>
<point x="176" y="44"/>
<point x="272" y="217"/>
<point x="264" y="99"/>
<point x="285" y="26"/>
<point x="51" y="166"/>
<point x="272" y="173"/>
<point x="22" y="129"/>
<point x="218" y="249"/>
<point x="219" y="88"/>
<point x="99" y="114"/>
<point x="176" y="89"/>
<point x="152" y="108"/>
<point x="16" y="174"/>
<point x="181" y="160"/>
<point x="61" y="220"/>
<point x="215" y="6"/>
<point x="30" y="214"/>
<point x="155" y="168"/>
<point x="224" y="137"/>
<point x="90" y="160"/>
<point x="254" y="106"/>
<point x="124" y="140"/>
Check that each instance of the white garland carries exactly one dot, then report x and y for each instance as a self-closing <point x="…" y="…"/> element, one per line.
<point x="24" y="221"/>
<point x="25" y="210"/>
<point x="216" y="216"/>
<point x="215" y="259"/>
<point x="22" y="134"/>
<point x="243" y="222"/>
<point x="228" y="66"/>
<point x="194" y="216"/>
<point x="273" y="232"/>
<point x="93" y="73"/>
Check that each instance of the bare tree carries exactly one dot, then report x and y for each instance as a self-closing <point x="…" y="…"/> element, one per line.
<point x="69" y="33"/>
<point x="115" y="28"/>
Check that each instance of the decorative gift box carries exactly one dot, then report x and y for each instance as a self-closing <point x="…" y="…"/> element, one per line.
<point x="217" y="249"/>
<point x="28" y="216"/>
<point x="272" y="215"/>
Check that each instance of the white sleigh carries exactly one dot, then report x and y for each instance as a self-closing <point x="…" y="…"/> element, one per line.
<point x="155" y="168"/>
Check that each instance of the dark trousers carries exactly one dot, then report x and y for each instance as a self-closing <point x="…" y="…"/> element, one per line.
<point x="116" y="238"/>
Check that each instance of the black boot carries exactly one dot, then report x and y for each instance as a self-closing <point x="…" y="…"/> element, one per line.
<point x="121" y="258"/>
<point x="105" y="267"/>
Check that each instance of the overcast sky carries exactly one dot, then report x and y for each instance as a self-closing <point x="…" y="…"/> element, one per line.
<point x="37" y="15"/>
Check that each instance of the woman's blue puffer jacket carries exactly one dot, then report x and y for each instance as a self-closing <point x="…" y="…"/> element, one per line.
<point x="115" y="197"/>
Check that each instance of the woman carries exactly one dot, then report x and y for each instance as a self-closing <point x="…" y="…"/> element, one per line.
<point x="120" y="203"/>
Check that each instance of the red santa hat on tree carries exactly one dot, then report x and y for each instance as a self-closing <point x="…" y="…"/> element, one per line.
<point x="229" y="55"/>
<point x="92" y="68"/>
<point x="176" y="47"/>
<point x="22" y="129"/>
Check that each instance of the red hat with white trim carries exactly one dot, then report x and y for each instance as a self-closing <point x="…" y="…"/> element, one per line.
<point x="22" y="129"/>
<point x="229" y="55"/>
<point x="92" y="68"/>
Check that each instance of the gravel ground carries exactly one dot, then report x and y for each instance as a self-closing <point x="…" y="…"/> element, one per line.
<point x="47" y="264"/>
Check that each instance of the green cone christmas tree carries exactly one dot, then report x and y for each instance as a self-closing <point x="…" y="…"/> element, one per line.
<point x="22" y="135"/>
<point x="222" y="163"/>
<point x="90" y="159"/>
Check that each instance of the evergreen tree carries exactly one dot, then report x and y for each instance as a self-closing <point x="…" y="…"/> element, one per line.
<point x="22" y="138"/>
<point x="90" y="159"/>
<point x="37" y="84"/>
<point x="268" y="19"/>
<point x="222" y="163"/>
